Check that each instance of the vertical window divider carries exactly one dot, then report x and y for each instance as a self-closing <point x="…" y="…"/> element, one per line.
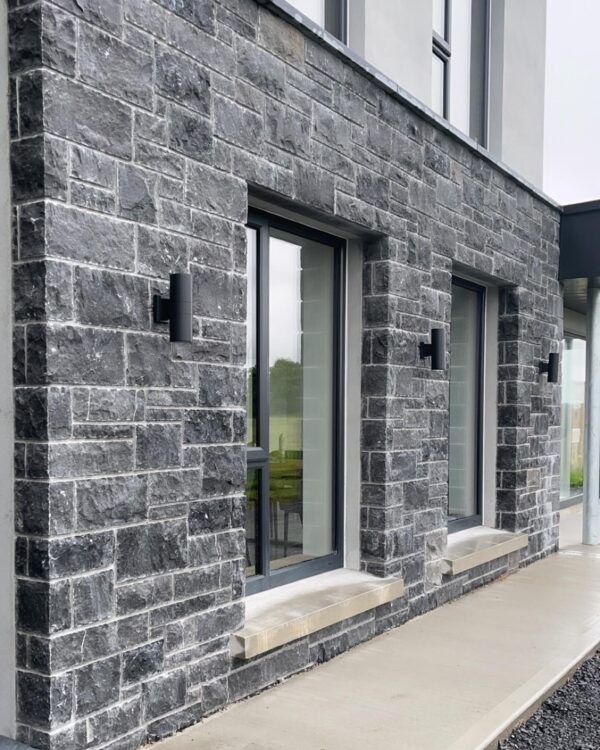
<point x="263" y="395"/>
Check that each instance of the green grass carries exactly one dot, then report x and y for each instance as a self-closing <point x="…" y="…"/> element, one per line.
<point x="576" y="478"/>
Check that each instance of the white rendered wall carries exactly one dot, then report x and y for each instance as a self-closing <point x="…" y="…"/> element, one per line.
<point x="517" y="85"/>
<point x="7" y="633"/>
<point x="571" y="153"/>
<point x="395" y="37"/>
<point x="314" y="9"/>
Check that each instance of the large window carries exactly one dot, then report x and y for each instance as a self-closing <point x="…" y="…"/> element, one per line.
<point x="572" y="421"/>
<point x="466" y="376"/>
<point x="293" y="520"/>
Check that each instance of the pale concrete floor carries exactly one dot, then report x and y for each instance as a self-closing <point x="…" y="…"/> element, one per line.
<point x="450" y="680"/>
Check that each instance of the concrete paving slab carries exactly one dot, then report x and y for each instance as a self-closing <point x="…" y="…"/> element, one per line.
<point x="455" y="679"/>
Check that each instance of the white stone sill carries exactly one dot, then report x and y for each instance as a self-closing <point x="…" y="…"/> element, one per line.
<point x="472" y="547"/>
<point x="286" y="613"/>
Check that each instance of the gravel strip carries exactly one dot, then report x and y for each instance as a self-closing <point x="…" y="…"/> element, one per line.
<point x="569" y="719"/>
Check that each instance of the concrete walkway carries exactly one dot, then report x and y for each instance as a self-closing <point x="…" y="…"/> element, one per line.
<point x="454" y="679"/>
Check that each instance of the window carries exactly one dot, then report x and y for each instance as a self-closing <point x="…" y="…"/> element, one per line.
<point x="440" y="63"/>
<point x="466" y="376"/>
<point x="330" y="14"/>
<point x="294" y="402"/>
<point x="572" y="422"/>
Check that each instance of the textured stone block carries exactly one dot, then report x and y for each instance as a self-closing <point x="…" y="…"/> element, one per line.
<point x="70" y="555"/>
<point x="46" y="701"/>
<point x="93" y="598"/>
<point x="115" y="67"/>
<point x="115" y="721"/>
<point x="87" y="117"/>
<point x="160" y="253"/>
<point x="70" y="460"/>
<point x="111" y="299"/>
<point x="237" y="124"/>
<point x="85" y="236"/>
<point x="287" y="129"/>
<point x="216" y="191"/>
<point x="42" y="291"/>
<point x="313" y="186"/>
<point x="181" y="79"/>
<point x="218" y="294"/>
<point x="142" y="662"/>
<point x="208" y="427"/>
<point x="113" y="501"/>
<point x="144" y="594"/>
<point x="43" y="607"/>
<point x="44" y="508"/>
<point x="136" y="194"/>
<point x="95" y="686"/>
<point x="151" y="549"/>
<point x="158" y="446"/>
<point x="201" y="13"/>
<point x="150" y="363"/>
<point x="164" y="694"/>
<point x="42" y="413"/>
<point x="167" y="487"/>
<point x="81" y="356"/>
<point x="224" y="469"/>
<point x="189" y="134"/>
<point x="261" y="69"/>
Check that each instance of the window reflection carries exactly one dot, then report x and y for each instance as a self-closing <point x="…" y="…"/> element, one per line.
<point x="438" y="73"/>
<point x="572" y="420"/>
<point x="465" y="379"/>
<point x="300" y="399"/>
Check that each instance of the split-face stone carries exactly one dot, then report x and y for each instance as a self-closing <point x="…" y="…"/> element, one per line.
<point x="140" y="135"/>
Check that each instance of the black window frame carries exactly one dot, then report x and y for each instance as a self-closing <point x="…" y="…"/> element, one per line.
<point x="441" y="48"/>
<point x="257" y="457"/>
<point x="458" y="524"/>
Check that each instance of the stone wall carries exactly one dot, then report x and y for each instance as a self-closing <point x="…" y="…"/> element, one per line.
<point x="138" y="129"/>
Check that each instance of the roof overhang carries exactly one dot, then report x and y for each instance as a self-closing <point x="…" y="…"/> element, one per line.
<point x="580" y="241"/>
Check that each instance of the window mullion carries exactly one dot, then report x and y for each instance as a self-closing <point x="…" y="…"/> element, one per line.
<point x="263" y="395"/>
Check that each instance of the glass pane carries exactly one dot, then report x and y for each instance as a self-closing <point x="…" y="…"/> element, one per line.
<point x="333" y="18"/>
<point x="572" y="421"/>
<point x="439" y="17"/>
<point x="464" y="403"/>
<point x="301" y="336"/>
<point x="437" y="84"/>
<point x="252" y="495"/>
<point x="251" y="331"/>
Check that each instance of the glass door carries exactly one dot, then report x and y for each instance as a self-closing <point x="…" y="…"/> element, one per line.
<point x="293" y="525"/>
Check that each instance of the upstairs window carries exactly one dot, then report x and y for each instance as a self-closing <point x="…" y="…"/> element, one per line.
<point x="440" y="64"/>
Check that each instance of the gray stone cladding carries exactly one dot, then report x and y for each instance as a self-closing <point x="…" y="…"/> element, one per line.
<point x="139" y="128"/>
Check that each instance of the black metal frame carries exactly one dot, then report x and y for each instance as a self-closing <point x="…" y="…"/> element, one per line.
<point x="441" y="48"/>
<point x="468" y="522"/>
<point x="258" y="457"/>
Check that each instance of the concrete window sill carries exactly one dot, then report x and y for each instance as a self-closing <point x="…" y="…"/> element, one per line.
<point x="472" y="547"/>
<point x="284" y="614"/>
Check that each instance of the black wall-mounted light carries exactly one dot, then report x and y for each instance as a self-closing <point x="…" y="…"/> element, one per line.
<point x="436" y="349"/>
<point x="551" y="367"/>
<point x="177" y="310"/>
